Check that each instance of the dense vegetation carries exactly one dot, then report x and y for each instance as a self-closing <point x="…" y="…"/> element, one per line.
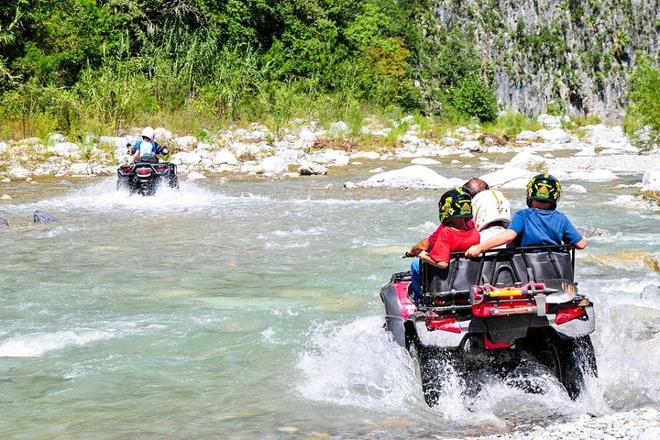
<point x="80" y="65"/>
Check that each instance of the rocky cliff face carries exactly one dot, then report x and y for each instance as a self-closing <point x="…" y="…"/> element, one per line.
<point x="576" y="54"/>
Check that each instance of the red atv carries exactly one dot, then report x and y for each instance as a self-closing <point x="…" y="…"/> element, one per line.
<point x="507" y="308"/>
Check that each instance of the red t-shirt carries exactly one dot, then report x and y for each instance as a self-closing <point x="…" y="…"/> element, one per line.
<point x="433" y="237"/>
<point x="448" y="240"/>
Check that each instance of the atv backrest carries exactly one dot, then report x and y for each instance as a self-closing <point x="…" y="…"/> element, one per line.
<point x="505" y="267"/>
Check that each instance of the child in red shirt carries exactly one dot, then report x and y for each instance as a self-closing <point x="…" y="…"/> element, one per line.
<point x="456" y="233"/>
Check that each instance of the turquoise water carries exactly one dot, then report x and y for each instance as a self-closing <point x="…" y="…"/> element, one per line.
<point x="250" y="309"/>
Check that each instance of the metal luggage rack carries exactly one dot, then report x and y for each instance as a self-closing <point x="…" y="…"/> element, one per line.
<point x="451" y="296"/>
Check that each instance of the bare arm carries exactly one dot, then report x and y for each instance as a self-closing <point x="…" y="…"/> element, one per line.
<point x="581" y="244"/>
<point x="500" y="239"/>
<point x="423" y="245"/>
<point x="425" y="257"/>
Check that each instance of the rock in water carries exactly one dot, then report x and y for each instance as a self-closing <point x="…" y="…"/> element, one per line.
<point x="312" y="169"/>
<point x="415" y="176"/>
<point x="3" y="223"/>
<point x="43" y="217"/>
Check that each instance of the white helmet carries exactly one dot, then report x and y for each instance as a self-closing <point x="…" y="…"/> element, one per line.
<point x="149" y="133"/>
<point x="490" y="206"/>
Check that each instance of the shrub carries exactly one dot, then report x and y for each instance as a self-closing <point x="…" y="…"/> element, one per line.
<point x="642" y="122"/>
<point x="474" y="98"/>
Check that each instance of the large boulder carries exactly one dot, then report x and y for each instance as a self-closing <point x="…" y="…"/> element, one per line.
<point x="225" y="157"/>
<point x="162" y="135"/>
<point x="508" y="177"/>
<point x="526" y="159"/>
<point x="65" y="149"/>
<point x="527" y="136"/>
<point x="194" y="175"/>
<point x="185" y="158"/>
<point x="185" y="143"/>
<point x="556" y="135"/>
<point x="3" y="223"/>
<point x="17" y="172"/>
<point x="80" y="169"/>
<point x="331" y="157"/>
<point x="415" y="176"/>
<point x="272" y="165"/>
<point x="473" y="146"/>
<point x="371" y="155"/>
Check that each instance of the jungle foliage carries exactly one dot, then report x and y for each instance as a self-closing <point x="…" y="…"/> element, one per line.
<point x="81" y="65"/>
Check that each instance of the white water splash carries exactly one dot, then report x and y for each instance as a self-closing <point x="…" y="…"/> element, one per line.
<point x="36" y="345"/>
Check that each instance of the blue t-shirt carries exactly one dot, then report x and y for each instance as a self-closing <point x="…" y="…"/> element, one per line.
<point x="542" y="227"/>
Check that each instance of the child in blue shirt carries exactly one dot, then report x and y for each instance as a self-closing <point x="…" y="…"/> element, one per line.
<point x="538" y="225"/>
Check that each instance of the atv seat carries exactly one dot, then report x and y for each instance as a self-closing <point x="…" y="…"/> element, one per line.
<point x="505" y="267"/>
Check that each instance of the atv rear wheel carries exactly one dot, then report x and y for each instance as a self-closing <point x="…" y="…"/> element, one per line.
<point x="577" y="361"/>
<point x="427" y="369"/>
<point x="570" y="361"/>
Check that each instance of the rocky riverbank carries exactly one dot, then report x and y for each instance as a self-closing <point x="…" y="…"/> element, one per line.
<point x="592" y="153"/>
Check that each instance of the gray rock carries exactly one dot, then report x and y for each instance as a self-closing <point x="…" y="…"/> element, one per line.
<point x="3" y="223"/>
<point x="43" y="217"/>
<point x="312" y="169"/>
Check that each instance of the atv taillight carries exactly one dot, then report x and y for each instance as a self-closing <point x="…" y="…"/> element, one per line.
<point x="143" y="171"/>
<point x="445" y="324"/>
<point x="126" y="169"/>
<point x="160" y="168"/>
<point x="569" y="314"/>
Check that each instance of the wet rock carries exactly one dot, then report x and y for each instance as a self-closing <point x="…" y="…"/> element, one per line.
<point x="306" y="138"/>
<point x="350" y="185"/>
<point x="449" y="141"/>
<point x="312" y="169"/>
<point x="3" y="223"/>
<point x="43" y="217"/>
<point x="424" y="161"/>
<point x="651" y="185"/>
<point x="377" y="170"/>
<point x="6" y="180"/>
<point x="415" y="176"/>
<point x="5" y="197"/>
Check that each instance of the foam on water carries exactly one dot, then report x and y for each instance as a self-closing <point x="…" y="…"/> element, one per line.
<point x="357" y="364"/>
<point x="36" y="345"/>
<point x="103" y="196"/>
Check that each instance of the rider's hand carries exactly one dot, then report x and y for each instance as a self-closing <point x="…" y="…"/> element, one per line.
<point x="473" y="251"/>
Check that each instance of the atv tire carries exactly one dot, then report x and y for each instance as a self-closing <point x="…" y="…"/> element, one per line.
<point x="577" y="361"/>
<point x="428" y="370"/>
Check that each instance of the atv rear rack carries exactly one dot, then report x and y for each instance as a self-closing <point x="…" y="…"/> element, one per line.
<point x="450" y="290"/>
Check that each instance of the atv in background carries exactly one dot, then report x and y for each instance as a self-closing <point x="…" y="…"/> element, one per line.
<point x="492" y="314"/>
<point x="146" y="175"/>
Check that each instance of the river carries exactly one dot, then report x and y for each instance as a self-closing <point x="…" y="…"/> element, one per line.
<point x="249" y="308"/>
